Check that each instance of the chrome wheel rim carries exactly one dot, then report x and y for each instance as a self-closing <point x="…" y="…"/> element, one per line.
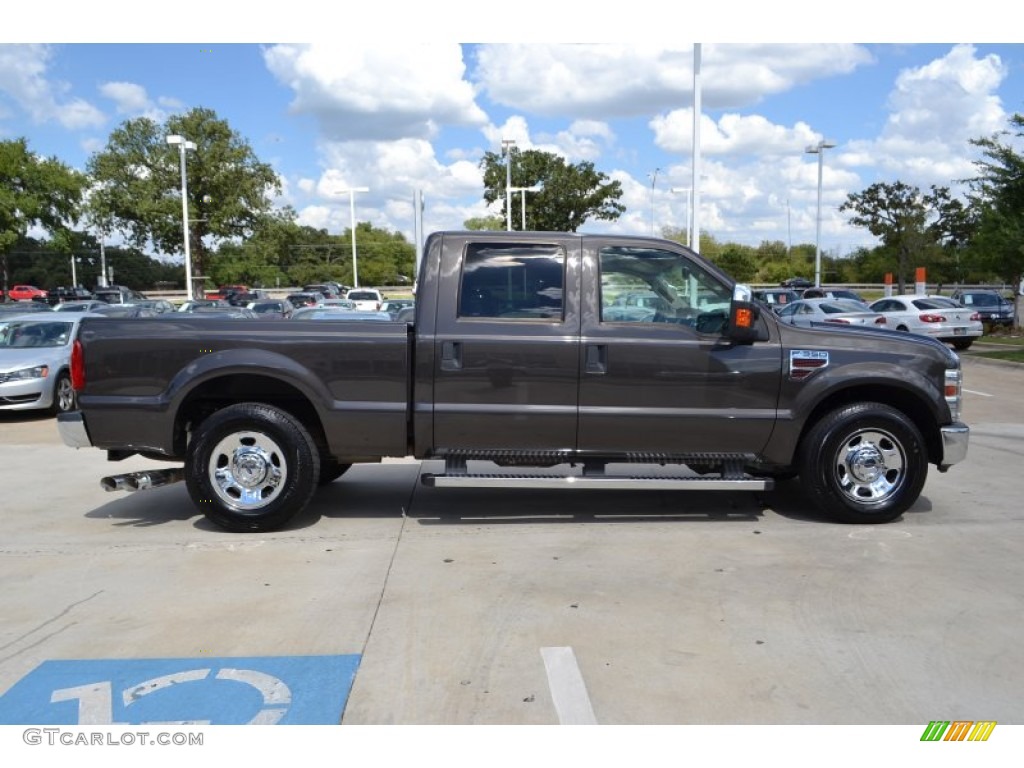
<point x="870" y="466"/>
<point x="247" y="470"/>
<point x="65" y="394"/>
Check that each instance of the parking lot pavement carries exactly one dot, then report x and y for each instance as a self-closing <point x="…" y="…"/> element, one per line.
<point x="529" y="607"/>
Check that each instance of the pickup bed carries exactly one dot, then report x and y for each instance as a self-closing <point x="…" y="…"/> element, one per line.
<point x="585" y="352"/>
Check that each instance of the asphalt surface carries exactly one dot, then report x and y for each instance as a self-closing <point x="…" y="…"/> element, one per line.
<point x="529" y="607"/>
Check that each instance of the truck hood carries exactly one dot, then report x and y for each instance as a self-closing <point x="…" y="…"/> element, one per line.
<point x="861" y="337"/>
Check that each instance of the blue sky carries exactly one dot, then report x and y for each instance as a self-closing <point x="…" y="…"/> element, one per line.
<point x="405" y="105"/>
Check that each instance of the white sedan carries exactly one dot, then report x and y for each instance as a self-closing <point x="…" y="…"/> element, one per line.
<point x="931" y="317"/>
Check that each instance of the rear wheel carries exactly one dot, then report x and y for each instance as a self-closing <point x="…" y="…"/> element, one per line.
<point x="251" y="467"/>
<point x="864" y="463"/>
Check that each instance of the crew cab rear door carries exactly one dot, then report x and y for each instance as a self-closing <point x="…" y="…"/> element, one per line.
<point x="656" y="374"/>
<point x="506" y="344"/>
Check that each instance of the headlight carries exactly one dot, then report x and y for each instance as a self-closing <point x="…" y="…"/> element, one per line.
<point x="38" y="372"/>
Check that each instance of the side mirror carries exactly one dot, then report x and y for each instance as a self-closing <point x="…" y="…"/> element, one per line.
<point x="743" y="327"/>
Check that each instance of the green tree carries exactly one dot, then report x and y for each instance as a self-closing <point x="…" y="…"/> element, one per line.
<point x="35" y="191"/>
<point x="484" y="223"/>
<point x="897" y="213"/>
<point x="137" y="184"/>
<point x="998" y="202"/>
<point x="568" y="197"/>
<point x="738" y="262"/>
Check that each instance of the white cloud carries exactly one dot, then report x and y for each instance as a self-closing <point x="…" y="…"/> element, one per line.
<point x="603" y="81"/>
<point x="23" y="79"/>
<point x="132" y="99"/>
<point x="732" y="134"/>
<point x="363" y="91"/>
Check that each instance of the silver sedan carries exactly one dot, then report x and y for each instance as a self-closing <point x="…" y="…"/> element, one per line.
<point x="810" y="312"/>
<point x="35" y="360"/>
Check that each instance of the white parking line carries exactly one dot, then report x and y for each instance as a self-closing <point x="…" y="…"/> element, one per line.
<point x="568" y="691"/>
<point x="975" y="392"/>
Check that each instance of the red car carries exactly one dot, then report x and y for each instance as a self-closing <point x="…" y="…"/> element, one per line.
<point x="25" y="293"/>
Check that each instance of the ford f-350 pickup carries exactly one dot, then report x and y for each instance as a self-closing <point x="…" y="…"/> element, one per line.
<point x="582" y="352"/>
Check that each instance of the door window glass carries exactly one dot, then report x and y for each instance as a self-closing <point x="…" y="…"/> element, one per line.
<point x="513" y="281"/>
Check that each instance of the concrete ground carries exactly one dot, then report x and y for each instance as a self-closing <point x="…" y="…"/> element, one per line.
<point x="528" y="607"/>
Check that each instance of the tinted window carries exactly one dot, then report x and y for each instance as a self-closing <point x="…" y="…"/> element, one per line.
<point x="522" y="281"/>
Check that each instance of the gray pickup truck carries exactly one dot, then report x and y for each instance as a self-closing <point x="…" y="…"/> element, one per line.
<point x="581" y="354"/>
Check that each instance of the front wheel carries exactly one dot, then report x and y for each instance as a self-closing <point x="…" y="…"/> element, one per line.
<point x="864" y="463"/>
<point x="64" y="399"/>
<point x="251" y="467"/>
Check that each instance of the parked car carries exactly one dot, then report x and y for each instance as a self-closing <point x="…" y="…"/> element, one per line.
<point x="303" y="299"/>
<point x="25" y="293"/>
<point x="244" y="298"/>
<point x="125" y="310"/>
<point x="334" y="313"/>
<point x="958" y="326"/>
<point x="777" y="298"/>
<point x="23" y="307"/>
<point x="990" y="306"/>
<point x="831" y="293"/>
<point x="237" y="313"/>
<point x="80" y="306"/>
<point x="810" y="312"/>
<point x="35" y="360"/>
<point x="158" y="306"/>
<point x="339" y="303"/>
<point x="62" y="294"/>
<point x="192" y="304"/>
<point x="117" y="294"/>
<point x="796" y="282"/>
<point x="271" y="309"/>
<point x="324" y="288"/>
<point x="366" y="298"/>
<point x="393" y="306"/>
<point x="225" y="291"/>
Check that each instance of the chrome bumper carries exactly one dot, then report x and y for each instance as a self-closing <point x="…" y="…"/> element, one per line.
<point x="954" y="444"/>
<point x="72" y="429"/>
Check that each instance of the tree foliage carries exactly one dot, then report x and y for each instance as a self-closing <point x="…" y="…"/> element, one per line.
<point x="137" y="180"/>
<point x="34" y="191"/>
<point x="569" y="194"/>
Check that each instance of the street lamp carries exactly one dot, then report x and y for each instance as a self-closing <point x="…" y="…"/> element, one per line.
<point x="654" y="180"/>
<point x="352" y="219"/>
<point x="687" y="190"/>
<point x="819" y="150"/>
<point x="183" y="146"/>
<point x="522" y="193"/>
<point x="506" y="149"/>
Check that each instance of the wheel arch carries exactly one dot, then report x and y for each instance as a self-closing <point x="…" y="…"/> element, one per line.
<point x="913" y="406"/>
<point x="218" y="392"/>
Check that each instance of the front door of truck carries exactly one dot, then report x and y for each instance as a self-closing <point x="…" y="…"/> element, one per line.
<point x="506" y="347"/>
<point x="656" y="374"/>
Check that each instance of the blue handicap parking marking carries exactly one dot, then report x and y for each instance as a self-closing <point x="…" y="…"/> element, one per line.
<point x="257" y="690"/>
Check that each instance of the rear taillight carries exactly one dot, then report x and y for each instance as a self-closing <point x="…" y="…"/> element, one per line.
<point x="926" y="318"/>
<point x="976" y="318"/>
<point x="77" y="366"/>
<point x="880" y="321"/>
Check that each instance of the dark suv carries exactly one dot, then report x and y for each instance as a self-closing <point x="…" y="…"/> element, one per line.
<point x="993" y="308"/>
<point x="117" y="294"/>
<point x="61" y="294"/>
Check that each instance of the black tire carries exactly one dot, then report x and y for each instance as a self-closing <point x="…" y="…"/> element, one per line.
<point x="331" y="470"/>
<point x="863" y="463"/>
<point x="251" y="467"/>
<point x="962" y="344"/>
<point x="64" y="397"/>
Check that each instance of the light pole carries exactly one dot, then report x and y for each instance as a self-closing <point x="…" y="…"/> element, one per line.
<point x="654" y="180"/>
<point x="819" y="150"/>
<point x="183" y="146"/>
<point x="687" y="190"/>
<point x="506" y="149"/>
<point x="352" y="219"/>
<point x="522" y="192"/>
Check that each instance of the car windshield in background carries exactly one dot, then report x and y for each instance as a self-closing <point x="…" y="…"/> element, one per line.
<point x="363" y="296"/>
<point x="844" y="305"/>
<point x="34" y="333"/>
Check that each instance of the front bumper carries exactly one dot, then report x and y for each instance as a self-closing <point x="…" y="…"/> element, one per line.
<point x="72" y="429"/>
<point x="955" y="438"/>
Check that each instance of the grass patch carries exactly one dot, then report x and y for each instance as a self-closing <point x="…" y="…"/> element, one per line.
<point x="1010" y="341"/>
<point x="1014" y="355"/>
